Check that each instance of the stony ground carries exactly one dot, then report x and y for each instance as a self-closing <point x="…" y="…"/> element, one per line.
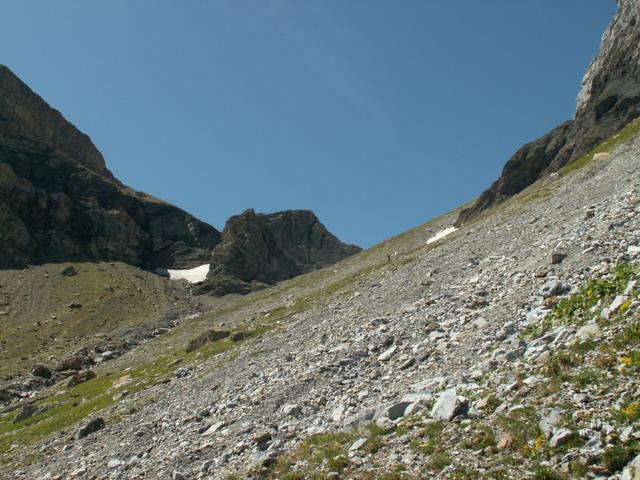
<point x="508" y="349"/>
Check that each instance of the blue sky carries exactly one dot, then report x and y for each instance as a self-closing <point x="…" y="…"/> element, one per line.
<point x="377" y="115"/>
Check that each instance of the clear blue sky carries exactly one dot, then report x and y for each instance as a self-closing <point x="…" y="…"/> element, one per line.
<point x="376" y="114"/>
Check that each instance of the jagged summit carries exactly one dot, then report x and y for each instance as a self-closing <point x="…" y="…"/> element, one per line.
<point x="262" y="249"/>
<point x="608" y="100"/>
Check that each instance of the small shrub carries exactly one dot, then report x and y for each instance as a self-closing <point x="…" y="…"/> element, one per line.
<point x="440" y="460"/>
<point x="616" y="457"/>
<point x="541" y="472"/>
<point x="500" y="473"/>
<point x="629" y="413"/>
<point x="586" y="377"/>
<point x="560" y="363"/>
<point x="629" y="337"/>
<point x="522" y="425"/>
<point x="578" y="469"/>
<point x="428" y="438"/>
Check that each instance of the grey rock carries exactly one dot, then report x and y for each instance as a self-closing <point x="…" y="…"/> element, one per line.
<point x="183" y="372"/>
<point x="396" y="410"/>
<point x="92" y="427"/>
<point x="292" y="410"/>
<point x="632" y="470"/>
<point x="557" y="258"/>
<point x="358" y="444"/>
<point x="448" y="405"/>
<point x="551" y="418"/>
<point x="69" y="271"/>
<point x="27" y="411"/>
<point x="561" y="437"/>
<point x="387" y="354"/>
<point x="588" y="331"/>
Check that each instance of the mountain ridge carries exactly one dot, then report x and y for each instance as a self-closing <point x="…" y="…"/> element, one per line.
<point x="609" y="99"/>
<point x="59" y="202"/>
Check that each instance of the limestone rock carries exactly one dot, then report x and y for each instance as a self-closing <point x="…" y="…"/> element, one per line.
<point x="448" y="405"/>
<point x="608" y="100"/>
<point x="263" y="249"/>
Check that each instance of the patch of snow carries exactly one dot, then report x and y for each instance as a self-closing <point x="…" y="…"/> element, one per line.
<point x="441" y="234"/>
<point x="193" y="275"/>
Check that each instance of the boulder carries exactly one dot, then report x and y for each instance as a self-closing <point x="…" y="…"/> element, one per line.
<point x="81" y="377"/>
<point x="69" y="271"/>
<point x="206" y="337"/>
<point x="74" y="362"/>
<point x="90" y="428"/>
<point x="551" y="418"/>
<point x="557" y="258"/>
<point x="41" y="371"/>
<point x="561" y="437"/>
<point x="448" y="405"/>
<point x="27" y="411"/>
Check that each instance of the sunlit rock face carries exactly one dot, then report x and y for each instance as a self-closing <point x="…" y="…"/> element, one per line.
<point x="608" y="100"/>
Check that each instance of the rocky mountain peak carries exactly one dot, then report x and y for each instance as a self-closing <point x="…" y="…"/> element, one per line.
<point x="609" y="99"/>
<point x="262" y="249"/>
<point x="25" y="116"/>
<point x="611" y="81"/>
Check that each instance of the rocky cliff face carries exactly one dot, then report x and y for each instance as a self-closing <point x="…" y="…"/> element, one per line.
<point x="24" y="116"/>
<point x="608" y="100"/>
<point x="259" y="250"/>
<point x="59" y="202"/>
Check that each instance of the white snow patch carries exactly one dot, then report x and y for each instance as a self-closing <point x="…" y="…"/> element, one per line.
<point x="193" y="275"/>
<point x="441" y="234"/>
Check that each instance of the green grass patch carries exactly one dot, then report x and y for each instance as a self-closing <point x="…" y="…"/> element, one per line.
<point x="482" y="437"/>
<point x="630" y="131"/>
<point x="541" y="472"/>
<point x="440" y="460"/>
<point x="587" y="377"/>
<point x="73" y="405"/>
<point x="427" y="440"/>
<point x="576" y="309"/>
<point x="522" y="425"/>
<point x="325" y="452"/>
<point x="616" y="457"/>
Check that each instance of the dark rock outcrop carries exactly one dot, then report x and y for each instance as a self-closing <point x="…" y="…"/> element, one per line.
<point x="90" y="428"/>
<point x="59" y="202"/>
<point x="206" y="337"/>
<point x="24" y="116"/>
<point x="608" y="100"/>
<point x="258" y="250"/>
